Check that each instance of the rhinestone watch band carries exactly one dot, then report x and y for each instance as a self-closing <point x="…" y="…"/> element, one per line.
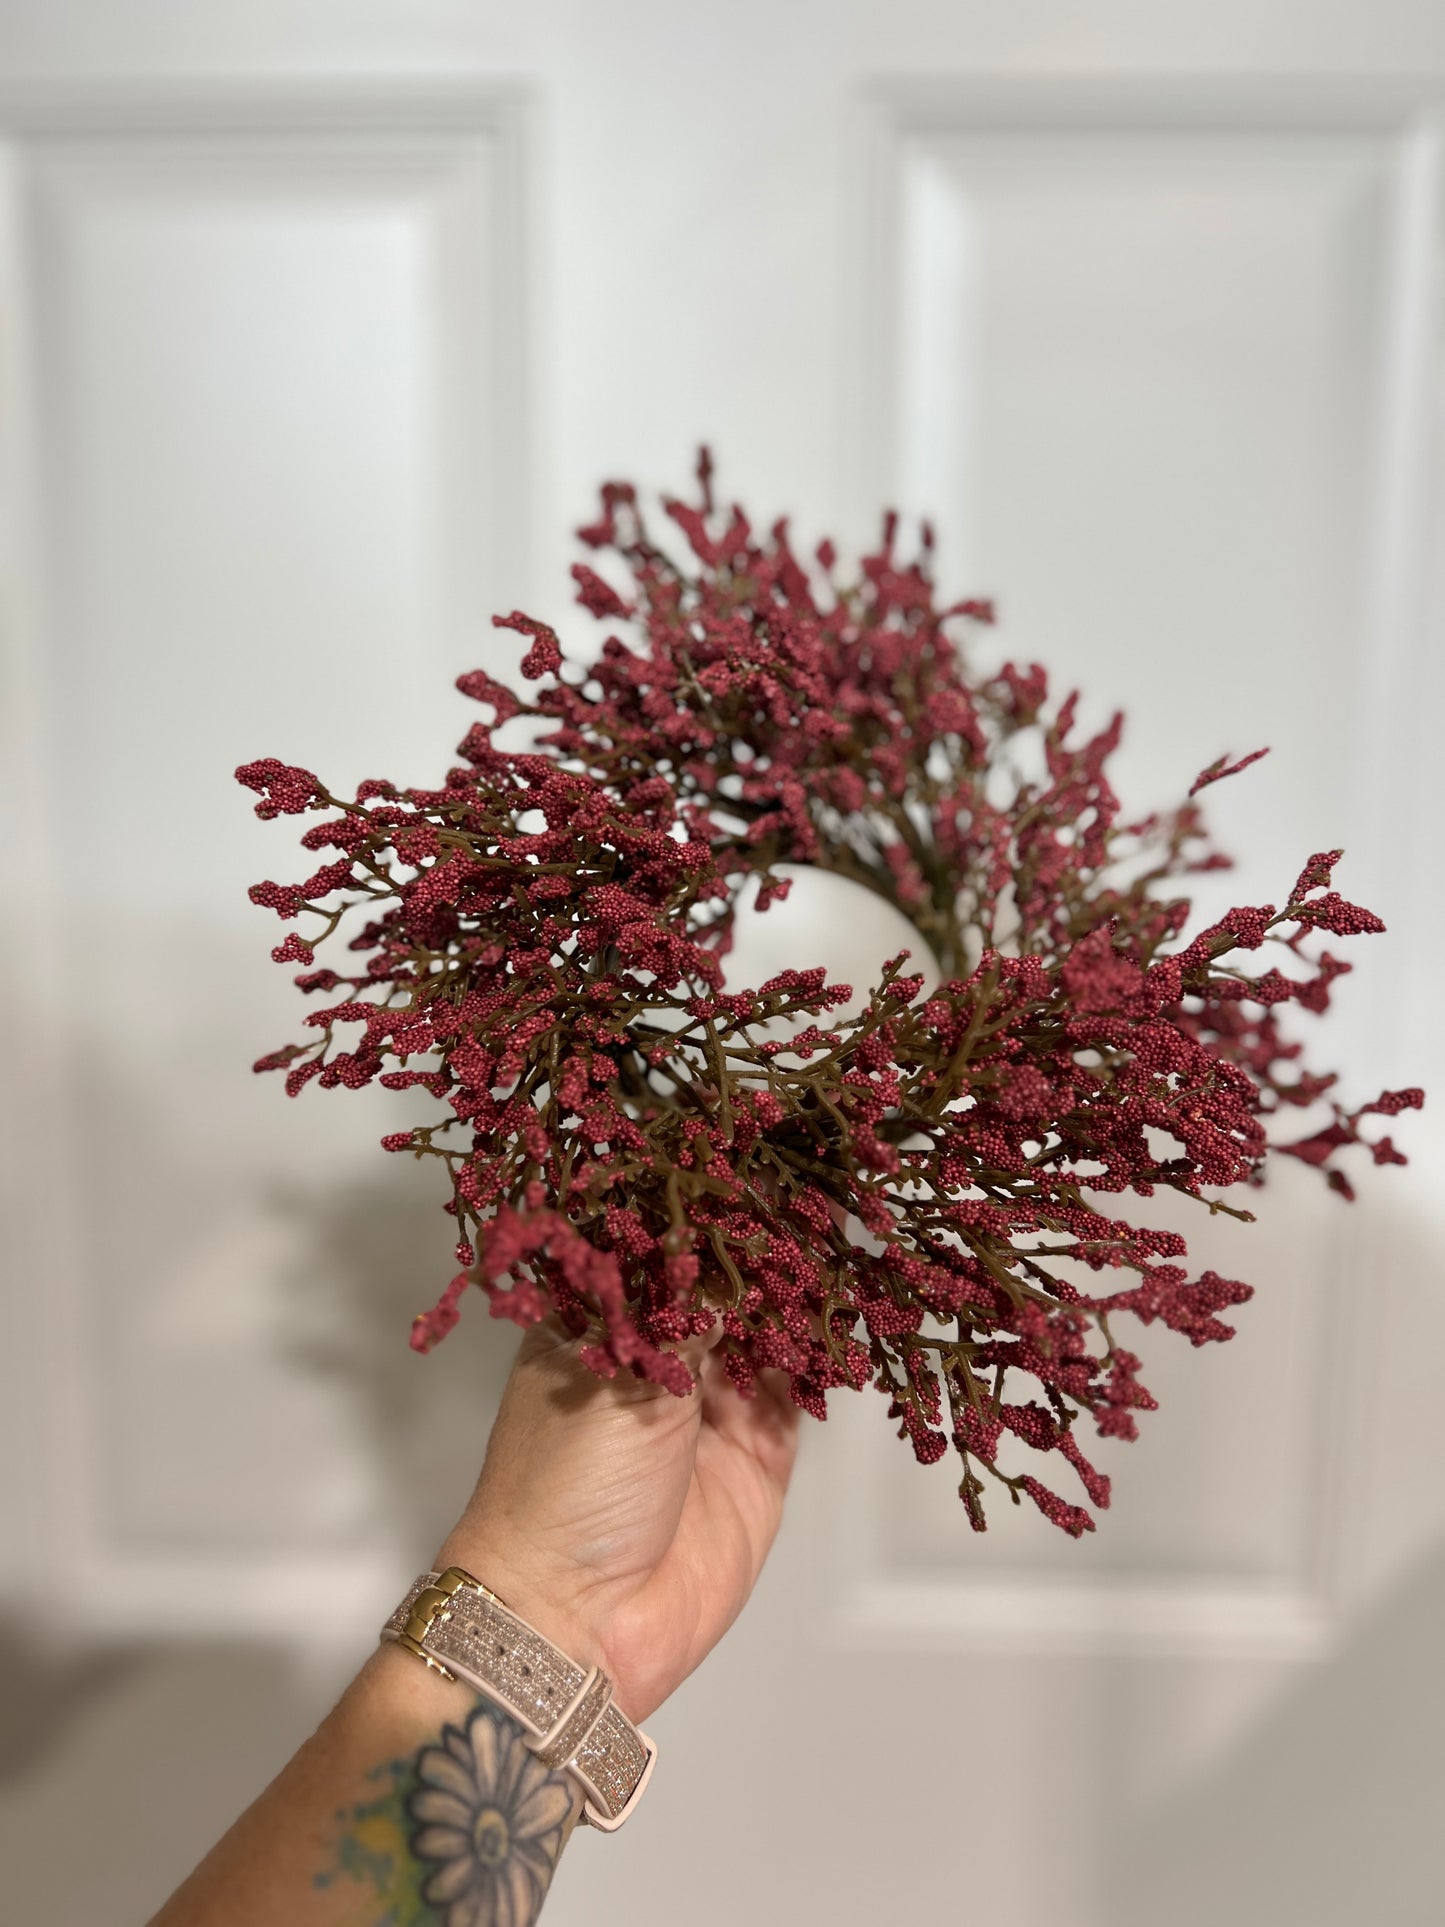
<point x="464" y="1631"/>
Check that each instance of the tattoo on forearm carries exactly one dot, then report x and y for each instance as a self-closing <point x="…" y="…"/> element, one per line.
<point x="466" y="1832"/>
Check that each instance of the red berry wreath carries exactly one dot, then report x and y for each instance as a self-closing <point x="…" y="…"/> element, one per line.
<point x="892" y="1198"/>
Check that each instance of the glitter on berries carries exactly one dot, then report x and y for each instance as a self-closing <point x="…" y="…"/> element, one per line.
<point x="904" y="1198"/>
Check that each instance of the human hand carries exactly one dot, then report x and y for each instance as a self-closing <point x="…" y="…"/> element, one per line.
<point x="629" y="1526"/>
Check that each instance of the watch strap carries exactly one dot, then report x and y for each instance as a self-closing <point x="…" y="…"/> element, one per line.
<point x="566" y="1712"/>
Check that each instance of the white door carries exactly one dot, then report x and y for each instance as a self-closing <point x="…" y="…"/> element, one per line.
<point x="317" y="329"/>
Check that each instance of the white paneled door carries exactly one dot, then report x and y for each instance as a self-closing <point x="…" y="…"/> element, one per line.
<point x="315" y="336"/>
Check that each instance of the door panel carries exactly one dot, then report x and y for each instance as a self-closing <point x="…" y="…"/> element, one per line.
<point x="315" y="336"/>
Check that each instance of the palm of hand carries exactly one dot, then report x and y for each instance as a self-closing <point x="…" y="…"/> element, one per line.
<point x="628" y="1525"/>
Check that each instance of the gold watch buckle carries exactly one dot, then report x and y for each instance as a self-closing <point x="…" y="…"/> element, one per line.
<point x="432" y="1603"/>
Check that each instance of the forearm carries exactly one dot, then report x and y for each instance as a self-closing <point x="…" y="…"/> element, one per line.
<point x="415" y="1801"/>
<point x="628" y="1527"/>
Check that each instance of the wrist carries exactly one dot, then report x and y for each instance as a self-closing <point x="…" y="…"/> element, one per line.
<point x="395" y="1695"/>
<point x="455" y="1621"/>
<point x="546" y="1597"/>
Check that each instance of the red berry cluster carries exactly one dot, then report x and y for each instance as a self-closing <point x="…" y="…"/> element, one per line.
<point x="914" y="1197"/>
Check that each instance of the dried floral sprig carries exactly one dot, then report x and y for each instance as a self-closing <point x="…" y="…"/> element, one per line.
<point x="896" y="1197"/>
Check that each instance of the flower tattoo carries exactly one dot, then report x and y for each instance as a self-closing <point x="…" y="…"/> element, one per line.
<point x="489" y="1820"/>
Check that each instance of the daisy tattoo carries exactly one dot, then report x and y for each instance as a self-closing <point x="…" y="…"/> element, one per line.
<point x="467" y="1834"/>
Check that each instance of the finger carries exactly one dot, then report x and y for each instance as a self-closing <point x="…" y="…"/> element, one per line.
<point x="551" y="1355"/>
<point x="695" y="1351"/>
<point x="765" y="1424"/>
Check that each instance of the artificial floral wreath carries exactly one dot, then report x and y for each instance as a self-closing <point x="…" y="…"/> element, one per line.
<point x="895" y="1197"/>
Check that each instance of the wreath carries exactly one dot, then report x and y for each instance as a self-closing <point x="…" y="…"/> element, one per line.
<point x="920" y="1193"/>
